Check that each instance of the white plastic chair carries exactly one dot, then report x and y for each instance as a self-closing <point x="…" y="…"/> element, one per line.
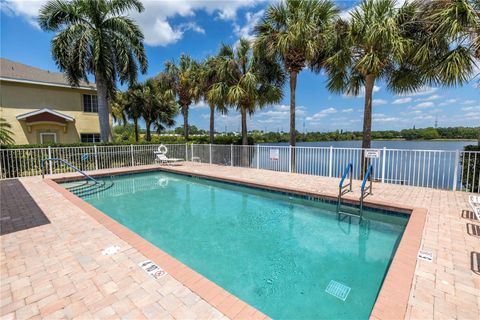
<point x="161" y="156"/>
<point x="475" y="204"/>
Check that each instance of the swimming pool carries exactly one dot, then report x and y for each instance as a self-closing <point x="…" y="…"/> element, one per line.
<point x="277" y="252"/>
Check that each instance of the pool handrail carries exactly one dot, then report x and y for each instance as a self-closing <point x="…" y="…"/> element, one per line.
<point x="42" y="165"/>
<point x="342" y="188"/>
<point x="365" y="191"/>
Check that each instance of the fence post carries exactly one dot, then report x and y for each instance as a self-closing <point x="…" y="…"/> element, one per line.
<point x="455" y="170"/>
<point x="231" y="155"/>
<point x="384" y="154"/>
<point x="50" y="161"/>
<point x="131" y="153"/>
<point x="210" y="152"/>
<point x="289" y="158"/>
<point x="258" y="156"/>
<point x="330" y="162"/>
<point x="191" y="149"/>
<point x="186" y="151"/>
<point x="96" y="157"/>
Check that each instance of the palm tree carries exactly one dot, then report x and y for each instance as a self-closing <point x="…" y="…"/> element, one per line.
<point x="450" y="49"/>
<point x="184" y="79"/>
<point x="293" y="31"/>
<point x="372" y="46"/>
<point x="118" y="106"/>
<point x="251" y="80"/>
<point x="5" y="132"/>
<point x="209" y="76"/>
<point x="156" y="105"/>
<point x="133" y="108"/>
<point x="95" y="37"/>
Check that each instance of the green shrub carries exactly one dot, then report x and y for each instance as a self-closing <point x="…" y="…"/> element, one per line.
<point x="471" y="168"/>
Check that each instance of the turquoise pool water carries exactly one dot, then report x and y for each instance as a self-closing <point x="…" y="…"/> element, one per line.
<point x="277" y="252"/>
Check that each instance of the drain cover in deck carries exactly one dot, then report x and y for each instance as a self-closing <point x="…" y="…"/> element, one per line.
<point x="338" y="290"/>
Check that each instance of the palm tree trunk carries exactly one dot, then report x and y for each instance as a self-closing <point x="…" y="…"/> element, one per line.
<point x="185" y="122"/>
<point x="367" y="119"/>
<point x="212" y="123"/>
<point x="243" y="112"/>
<point x="103" y="111"/>
<point x="293" y="132"/>
<point x="148" y="125"/>
<point x="135" y="125"/>
<point x="367" y="112"/>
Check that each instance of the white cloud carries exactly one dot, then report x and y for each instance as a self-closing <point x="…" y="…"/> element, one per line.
<point x="380" y="117"/>
<point x="379" y="102"/>
<point x="447" y="102"/>
<point x="362" y="92"/>
<point x="402" y="100"/>
<point x="322" y="114"/>
<point x="469" y="102"/>
<point x="200" y="105"/>
<point x="154" y="20"/>
<point x="430" y="98"/>
<point x="420" y="92"/>
<point x="251" y="20"/>
<point x="349" y="110"/>
<point x="476" y="108"/>
<point x="425" y="105"/>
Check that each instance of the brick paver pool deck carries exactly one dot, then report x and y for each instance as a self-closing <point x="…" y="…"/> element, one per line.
<point x="54" y="268"/>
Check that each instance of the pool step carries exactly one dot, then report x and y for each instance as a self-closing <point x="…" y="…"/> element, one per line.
<point x="348" y="210"/>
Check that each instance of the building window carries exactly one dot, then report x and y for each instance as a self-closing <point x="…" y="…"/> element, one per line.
<point x="90" y="137"/>
<point x="90" y="103"/>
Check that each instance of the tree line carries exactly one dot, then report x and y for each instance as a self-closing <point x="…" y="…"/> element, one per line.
<point x="126" y="134"/>
<point x="406" y="47"/>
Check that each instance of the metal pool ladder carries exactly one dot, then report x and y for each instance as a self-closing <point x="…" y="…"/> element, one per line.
<point x="366" y="191"/>
<point x="342" y="189"/>
<point x="42" y="165"/>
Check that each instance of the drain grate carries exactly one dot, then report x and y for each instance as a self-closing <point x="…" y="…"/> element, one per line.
<point x="338" y="290"/>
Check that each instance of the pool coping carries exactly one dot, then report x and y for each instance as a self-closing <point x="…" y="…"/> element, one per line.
<point x="391" y="302"/>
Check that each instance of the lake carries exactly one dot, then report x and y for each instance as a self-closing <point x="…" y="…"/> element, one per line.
<point x="389" y="144"/>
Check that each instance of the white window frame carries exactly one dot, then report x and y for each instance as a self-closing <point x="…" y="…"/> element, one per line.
<point x="48" y="133"/>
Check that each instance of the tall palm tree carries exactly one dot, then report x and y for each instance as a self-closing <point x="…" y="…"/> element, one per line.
<point x="95" y="37"/>
<point x="5" y="132"/>
<point x="252" y="80"/>
<point x="184" y="79"/>
<point x="210" y="76"/>
<point x="294" y="30"/>
<point x="372" y="46"/>
<point x="156" y="104"/>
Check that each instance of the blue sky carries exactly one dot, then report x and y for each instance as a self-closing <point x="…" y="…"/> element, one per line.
<point x="197" y="27"/>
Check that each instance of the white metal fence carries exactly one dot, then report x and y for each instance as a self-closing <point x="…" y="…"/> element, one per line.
<point x="439" y="169"/>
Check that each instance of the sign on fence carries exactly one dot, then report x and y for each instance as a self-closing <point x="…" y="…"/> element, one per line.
<point x="274" y="154"/>
<point x="372" y="153"/>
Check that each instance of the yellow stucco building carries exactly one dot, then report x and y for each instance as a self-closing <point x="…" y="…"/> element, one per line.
<point x="43" y="108"/>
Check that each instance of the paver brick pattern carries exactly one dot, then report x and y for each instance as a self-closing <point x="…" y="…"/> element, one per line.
<point x="57" y="270"/>
<point x="18" y="211"/>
